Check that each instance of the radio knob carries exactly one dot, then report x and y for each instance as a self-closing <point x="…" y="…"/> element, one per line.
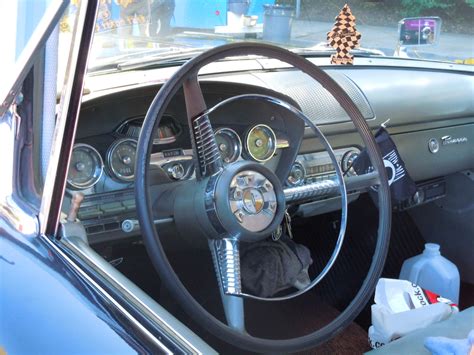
<point x="347" y="160"/>
<point x="297" y="174"/>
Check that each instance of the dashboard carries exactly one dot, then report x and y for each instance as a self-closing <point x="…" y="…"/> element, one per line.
<point x="102" y="165"/>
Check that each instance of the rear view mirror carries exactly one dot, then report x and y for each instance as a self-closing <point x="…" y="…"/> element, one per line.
<point x="419" y="31"/>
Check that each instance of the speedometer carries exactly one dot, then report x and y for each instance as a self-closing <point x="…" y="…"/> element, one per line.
<point x="229" y="144"/>
<point x="86" y="167"/>
<point x="261" y="143"/>
<point x="121" y="159"/>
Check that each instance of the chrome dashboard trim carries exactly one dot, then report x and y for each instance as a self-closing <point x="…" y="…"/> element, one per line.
<point x="159" y="158"/>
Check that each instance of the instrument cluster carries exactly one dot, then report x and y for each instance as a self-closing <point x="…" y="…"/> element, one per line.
<point x="87" y="165"/>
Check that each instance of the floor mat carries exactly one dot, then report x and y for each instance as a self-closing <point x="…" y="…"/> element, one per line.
<point x="339" y="287"/>
<point x="466" y="295"/>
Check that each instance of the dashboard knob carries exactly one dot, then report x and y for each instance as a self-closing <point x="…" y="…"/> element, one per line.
<point x="297" y="174"/>
<point x="176" y="171"/>
<point x="347" y="161"/>
<point x="419" y="197"/>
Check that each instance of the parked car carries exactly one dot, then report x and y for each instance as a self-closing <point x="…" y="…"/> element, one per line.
<point x="226" y="188"/>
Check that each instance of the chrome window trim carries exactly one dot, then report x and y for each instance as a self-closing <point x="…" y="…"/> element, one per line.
<point x="37" y="40"/>
<point x="67" y="116"/>
<point x="136" y="297"/>
<point x="98" y="288"/>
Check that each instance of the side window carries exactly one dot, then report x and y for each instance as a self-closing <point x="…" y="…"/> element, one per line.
<point x="21" y="20"/>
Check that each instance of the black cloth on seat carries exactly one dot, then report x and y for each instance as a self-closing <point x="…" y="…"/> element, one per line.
<point x="268" y="267"/>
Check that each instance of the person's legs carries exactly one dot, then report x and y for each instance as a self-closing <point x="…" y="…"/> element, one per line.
<point x="140" y="9"/>
<point x="154" y="18"/>
<point x="164" y="12"/>
<point x="165" y="20"/>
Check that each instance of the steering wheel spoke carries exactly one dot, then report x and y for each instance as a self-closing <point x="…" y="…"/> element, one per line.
<point x="226" y="256"/>
<point x="195" y="104"/>
<point x="207" y="156"/>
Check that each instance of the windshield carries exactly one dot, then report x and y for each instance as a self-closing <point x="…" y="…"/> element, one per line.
<point x="131" y="32"/>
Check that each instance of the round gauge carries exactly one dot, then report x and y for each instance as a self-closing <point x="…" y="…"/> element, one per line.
<point x="121" y="159"/>
<point x="229" y="144"/>
<point x="261" y="143"/>
<point x="86" y="167"/>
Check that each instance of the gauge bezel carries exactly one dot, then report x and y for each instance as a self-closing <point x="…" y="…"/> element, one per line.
<point x="99" y="170"/>
<point x="237" y="142"/>
<point x="273" y="138"/>
<point x="301" y="180"/>
<point x="113" y="173"/>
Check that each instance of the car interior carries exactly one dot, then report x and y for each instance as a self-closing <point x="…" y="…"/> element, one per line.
<point x="245" y="189"/>
<point x="248" y="192"/>
<point x="427" y="111"/>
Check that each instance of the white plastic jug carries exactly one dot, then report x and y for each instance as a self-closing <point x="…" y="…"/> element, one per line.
<point x="433" y="272"/>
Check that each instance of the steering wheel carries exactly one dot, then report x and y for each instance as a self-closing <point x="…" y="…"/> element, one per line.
<point x="216" y="206"/>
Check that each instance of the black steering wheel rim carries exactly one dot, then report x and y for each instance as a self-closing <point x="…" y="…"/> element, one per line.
<point x="150" y="235"/>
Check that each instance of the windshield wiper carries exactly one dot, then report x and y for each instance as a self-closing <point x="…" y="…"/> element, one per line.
<point x="170" y="56"/>
<point x="145" y="58"/>
<point x="323" y="48"/>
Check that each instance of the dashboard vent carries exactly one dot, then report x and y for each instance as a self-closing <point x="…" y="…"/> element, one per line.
<point x="314" y="100"/>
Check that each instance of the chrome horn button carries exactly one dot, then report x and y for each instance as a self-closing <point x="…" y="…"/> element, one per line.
<point x="252" y="200"/>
